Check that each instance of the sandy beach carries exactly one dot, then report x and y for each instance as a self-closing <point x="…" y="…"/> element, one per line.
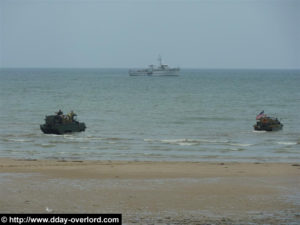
<point x="154" y="192"/>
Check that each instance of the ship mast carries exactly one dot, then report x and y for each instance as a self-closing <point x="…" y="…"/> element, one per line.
<point x="159" y="60"/>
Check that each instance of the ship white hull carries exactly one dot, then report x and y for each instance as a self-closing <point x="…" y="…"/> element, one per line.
<point x="170" y="72"/>
<point x="161" y="70"/>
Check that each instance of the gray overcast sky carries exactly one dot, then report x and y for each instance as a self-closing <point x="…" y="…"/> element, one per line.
<point x="132" y="33"/>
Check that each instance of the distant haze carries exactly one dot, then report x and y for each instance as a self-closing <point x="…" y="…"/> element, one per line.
<point x="132" y="33"/>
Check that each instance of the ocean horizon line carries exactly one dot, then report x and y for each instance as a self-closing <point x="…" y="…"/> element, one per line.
<point x="127" y="68"/>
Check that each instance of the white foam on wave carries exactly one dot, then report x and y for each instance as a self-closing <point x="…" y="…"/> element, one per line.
<point x="85" y="139"/>
<point x="71" y="137"/>
<point x="241" y="144"/>
<point x="182" y="142"/>
<point x="67" y="135"/>
<point x="186" y="144"/>
<point x="92" y="138"/>
<point x="54" y="135"/>
<point x="18" y="140"/>
<point x="215" y="141"/>
<point x="187" y="141"/>
<point x="259" y="131"/>
<point x="76" y="139"/>
<point x="286" y="143"/>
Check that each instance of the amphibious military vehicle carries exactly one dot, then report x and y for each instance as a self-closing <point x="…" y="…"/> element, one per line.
<point x="267" y="123"/>
<point x="61" y="124"/>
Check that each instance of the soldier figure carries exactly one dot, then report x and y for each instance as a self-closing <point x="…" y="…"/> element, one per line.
<point x="71" y="115"/>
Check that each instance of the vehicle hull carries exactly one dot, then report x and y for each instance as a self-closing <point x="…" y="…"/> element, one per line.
<point x="57" y="125"/>
<point x="267" y="127"/>
<point x="63" y="128"/>
<point x="171" y="72"/>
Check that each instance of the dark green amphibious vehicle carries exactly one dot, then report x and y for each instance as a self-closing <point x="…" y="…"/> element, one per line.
<point x="267" y="123"/>
<point x="62" y="124"/>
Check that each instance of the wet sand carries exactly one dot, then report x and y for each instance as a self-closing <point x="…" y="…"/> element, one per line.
<point x="154" y="192"/>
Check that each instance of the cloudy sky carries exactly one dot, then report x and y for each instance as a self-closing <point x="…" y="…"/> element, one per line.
<point x="132" y="33"/>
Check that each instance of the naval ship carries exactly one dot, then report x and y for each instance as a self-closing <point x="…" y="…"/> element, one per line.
<point x="161" y="70"/>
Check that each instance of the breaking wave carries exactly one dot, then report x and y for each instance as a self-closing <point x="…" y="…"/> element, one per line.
<point x="286" y="143"/>
<point x="187" y="141"/>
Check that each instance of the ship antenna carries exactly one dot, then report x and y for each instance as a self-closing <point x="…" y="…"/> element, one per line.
<point x="159" y="59"/>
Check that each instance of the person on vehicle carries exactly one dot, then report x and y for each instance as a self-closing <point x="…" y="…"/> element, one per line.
<point x="59" y="113"/>
<point x="71" y="115"/>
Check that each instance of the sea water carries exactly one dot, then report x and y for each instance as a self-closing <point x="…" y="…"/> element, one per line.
<point x="201" y="115"/>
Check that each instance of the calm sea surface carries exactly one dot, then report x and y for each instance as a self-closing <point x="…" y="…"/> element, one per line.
<point x="202" y="115"/>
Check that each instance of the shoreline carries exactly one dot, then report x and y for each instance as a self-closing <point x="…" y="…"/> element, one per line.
<point x="144" y="169"/>
<point x="154" y="192"/>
